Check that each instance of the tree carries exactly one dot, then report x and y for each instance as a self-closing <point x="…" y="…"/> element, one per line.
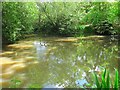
<point x="18" y="20"/>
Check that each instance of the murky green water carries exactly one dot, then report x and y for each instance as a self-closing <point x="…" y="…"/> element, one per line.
<point x="62" y="62"/>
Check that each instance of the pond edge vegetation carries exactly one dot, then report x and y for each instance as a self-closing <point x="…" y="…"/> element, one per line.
<point x="58" y="19"/>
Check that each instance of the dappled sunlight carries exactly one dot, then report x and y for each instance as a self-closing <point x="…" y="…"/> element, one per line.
<point x="26" y="53"/>
<point x="57" y="61"/>
<point x="7" y="53"/>
<point x="50" y="49"/>
<point x="94" y="37"/>
<point x="11" y="67"/>
<point x="100" y="40"/>
<point x="20" y="46"/>
<point x="71" y="39"/>
<point x="29" y="59"/>
<point x="29" y="41"/>
<point x="67" y="40"/>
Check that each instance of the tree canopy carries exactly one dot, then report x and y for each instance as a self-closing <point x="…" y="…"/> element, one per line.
<point x="18" y="18"/>
<point x="59" y="18"/>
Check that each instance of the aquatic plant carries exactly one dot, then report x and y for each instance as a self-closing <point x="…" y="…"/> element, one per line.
<point x="15" y="83"/>
<point x="34" y="85"/>
<point x="105" y="81"/>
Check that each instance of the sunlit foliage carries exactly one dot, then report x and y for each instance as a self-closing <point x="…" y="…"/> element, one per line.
<point x="18" y="19"/>
<point x="71" y="19"/>
<point x="59" y="18"/>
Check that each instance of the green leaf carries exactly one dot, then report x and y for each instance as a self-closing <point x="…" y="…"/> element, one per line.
<point x="108" y="80"/>
<point x="103" y="79"/>
<point x="104" y="74"/>
<point x="97" y="81"/>
<point x="116" y="79"/>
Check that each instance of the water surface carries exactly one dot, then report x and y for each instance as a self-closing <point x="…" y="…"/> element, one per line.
<point x="55" y="62"/>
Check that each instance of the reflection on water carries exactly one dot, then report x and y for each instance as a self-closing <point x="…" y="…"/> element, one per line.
<point x="60" y="62"/>
<point x="81" y="82"/>
<point x="40" y="49"/>
<point x="10" y="68"/>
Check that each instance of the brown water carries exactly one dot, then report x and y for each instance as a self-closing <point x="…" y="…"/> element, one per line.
<point x="57" y="62"/>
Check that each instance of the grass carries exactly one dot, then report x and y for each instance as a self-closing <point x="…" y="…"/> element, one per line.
<point x="105" y="82"/>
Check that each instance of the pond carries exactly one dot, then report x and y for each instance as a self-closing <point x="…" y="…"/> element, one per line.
<point x="58" y="62"/>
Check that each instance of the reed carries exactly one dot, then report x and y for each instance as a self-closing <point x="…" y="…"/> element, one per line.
<point x="105" y="82"/>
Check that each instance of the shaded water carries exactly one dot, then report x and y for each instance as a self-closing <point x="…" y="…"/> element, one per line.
<point x="58" y="62"/>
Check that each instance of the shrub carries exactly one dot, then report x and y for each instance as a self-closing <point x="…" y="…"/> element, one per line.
<point x="18" y="19"/>
<point x="104" y="28"/>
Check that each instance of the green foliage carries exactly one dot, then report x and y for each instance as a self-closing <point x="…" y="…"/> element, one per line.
<point x="18" y="19"/>
<point x="116" y="79"/>
<point x="55" y="19"/>
<point x="104" y="27"/>
<point x="105" y="80"/>
<point x="34" y="86"/>
<point x="71" y="19"/>
<point x="97" y="81"/>
<point x="15" y="83"/>
<point x="58" y="18"/>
